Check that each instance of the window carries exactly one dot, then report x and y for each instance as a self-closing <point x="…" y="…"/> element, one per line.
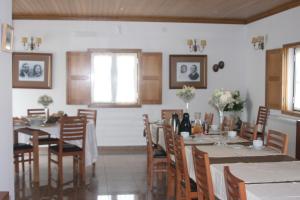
<point x="296" y="91"/>
<point x="115" y="78"/>
<point x="291" y="85"/>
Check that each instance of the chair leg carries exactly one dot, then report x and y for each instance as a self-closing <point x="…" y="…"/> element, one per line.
<point x="17" y="164"/>
<point x="170" y="184"/>
<point x="30" y="158"/>
<point x="23" y="163"/>
<point x="82" y="169"/>
<point x="94" y="168"/>
<point x="60" y="170"/>
<point x="75" y="167"/>
<point x="150" y="178"/>
<point x="49" y="167"/>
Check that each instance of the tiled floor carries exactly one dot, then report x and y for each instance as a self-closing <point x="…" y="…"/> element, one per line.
<point x="118" y="177"/>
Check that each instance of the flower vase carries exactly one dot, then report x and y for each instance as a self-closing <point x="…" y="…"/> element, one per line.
<point x="221" y="117"/>
<point x="187" y="107"/>
<point x="46" y="113"/>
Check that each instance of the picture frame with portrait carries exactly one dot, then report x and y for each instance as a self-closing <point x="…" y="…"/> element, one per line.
<point x="188" y="70"/>
<point x="7" y="37"/>
<point x="32" y="70"/>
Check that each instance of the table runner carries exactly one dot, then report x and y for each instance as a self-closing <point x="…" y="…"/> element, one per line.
<point x="251" y="159"/>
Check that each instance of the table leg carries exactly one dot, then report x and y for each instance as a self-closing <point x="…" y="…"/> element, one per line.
<point x="36" y="169"/>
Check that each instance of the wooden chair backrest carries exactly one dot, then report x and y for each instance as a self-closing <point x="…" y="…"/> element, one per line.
<point x="148" y="135"/>
<point x="227" y="124"/>
<point x="208" y="118"/>
<point x="248" y="131"/>
<point x="71" y="129"/>
<point x="235" y="187"/>
<point x="203" y="175"/>
<point x="169" y="141"/>
<point x="262" y="117"/>
<point x="89" y="114"/>
<point x="37" y="112"/>
<point x="182" y="175"/>
<point x="277" y="140"/>
<point x="167" y="113"/>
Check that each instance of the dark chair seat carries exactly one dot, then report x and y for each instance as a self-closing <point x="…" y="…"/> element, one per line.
<point x="193" y="185"/>
<point x="22" y="146"/>
<point x="48" y="140"/>
<point x="159" y="153"/>
<point x="66" y="148"/>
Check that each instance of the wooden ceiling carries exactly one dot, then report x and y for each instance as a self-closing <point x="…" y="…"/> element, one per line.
<point x="196" y="11"/>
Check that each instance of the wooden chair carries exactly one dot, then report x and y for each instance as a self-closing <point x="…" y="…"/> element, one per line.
<point x="89" y="114"/>
<point x="208" y="118"/>
<point x="92" y="115"/>
<point x="43" y="140"/>
<point x="38" y="112"/>
<point x="235" y="187"/>
<point x="71" y="129"/>
<point x="167" y="113"/>
<point x="278" y="141"/>
<point x="227" y="124"/>
<point x="171" y="166"/>
<point x="20" y="151"/>
<point x="156" y="157"/>
<point x="261" y="120"/>
<point x="186" y="188"/>
<point x="248" y="131"/>
<point x="203" y="176"/>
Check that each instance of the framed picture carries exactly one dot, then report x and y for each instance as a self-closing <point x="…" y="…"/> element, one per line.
<point x="32" y="70"/>
<point x="7" y="37"/>
<point x="188" y="70"/>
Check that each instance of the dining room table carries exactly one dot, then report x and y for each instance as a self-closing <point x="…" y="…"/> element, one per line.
<point x="254" y="166"/>
<point x="268" y="174"/>
<point x="24" y="132"/>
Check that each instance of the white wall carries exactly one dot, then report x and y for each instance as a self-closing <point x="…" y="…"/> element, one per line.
<point x="280" y="29"/>
<point x="122" y="126"/>
<point x="6" y="141"/>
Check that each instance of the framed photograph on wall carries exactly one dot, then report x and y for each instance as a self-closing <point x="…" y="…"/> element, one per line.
<point x="7" y="37"/>
<point x="188" y="70"/>
<point x="32" y="70"/>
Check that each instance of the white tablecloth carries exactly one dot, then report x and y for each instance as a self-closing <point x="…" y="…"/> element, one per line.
<point x="278" y="191"/>
<point x="91" y="152"/>
<point x="252" y="173"/>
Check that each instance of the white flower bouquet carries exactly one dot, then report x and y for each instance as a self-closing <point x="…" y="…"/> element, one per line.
<point x="187" y="93"/>
<point x="45" y="100"/>
<point x="221" y="98"/>
<point x="225" y="100"/>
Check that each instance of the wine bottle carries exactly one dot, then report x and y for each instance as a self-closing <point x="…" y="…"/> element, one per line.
<point x="185" y="125"/>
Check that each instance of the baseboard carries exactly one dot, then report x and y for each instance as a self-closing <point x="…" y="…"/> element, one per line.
<point x="121" y="149"/>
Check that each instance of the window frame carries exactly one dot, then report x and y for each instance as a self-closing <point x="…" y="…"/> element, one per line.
<point x="139" y="69"/>
<point x="285" y="101"/>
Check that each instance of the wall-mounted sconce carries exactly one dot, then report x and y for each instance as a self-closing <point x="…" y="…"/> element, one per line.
<point x="258" y="42"/>
<point x="33" y="43"/>
<point x="196" y="45"/>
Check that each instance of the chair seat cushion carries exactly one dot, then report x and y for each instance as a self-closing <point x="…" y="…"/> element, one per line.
<point x="159" y="153"/>
<point x="22" y="146"/>
<point x="48" y="140"/>
<point x="66" y="148"/>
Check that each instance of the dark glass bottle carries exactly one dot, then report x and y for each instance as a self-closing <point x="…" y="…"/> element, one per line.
<point x="185" y="125"/>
